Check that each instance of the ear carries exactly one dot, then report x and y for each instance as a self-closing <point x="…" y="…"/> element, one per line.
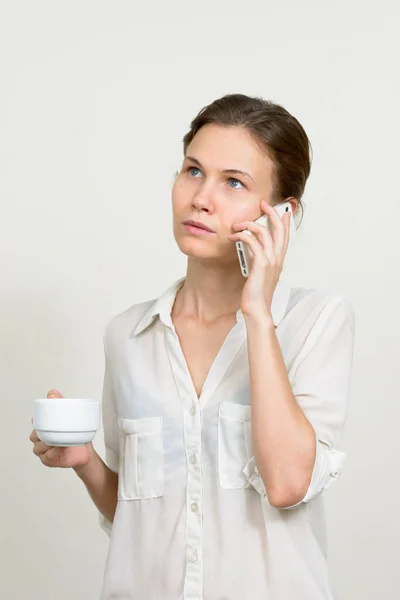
<point x="294" y="203"/>
<point x="174" y="177"/>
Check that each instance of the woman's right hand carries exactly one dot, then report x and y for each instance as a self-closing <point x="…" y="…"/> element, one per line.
<point x="57" y="456"/>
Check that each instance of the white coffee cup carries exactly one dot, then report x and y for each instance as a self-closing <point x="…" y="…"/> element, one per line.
<point x="66" y="421"/>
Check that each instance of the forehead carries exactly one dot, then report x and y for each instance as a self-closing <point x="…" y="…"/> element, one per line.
<point x="232" y="147"/>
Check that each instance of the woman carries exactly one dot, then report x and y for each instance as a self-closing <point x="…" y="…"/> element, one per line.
<point x="225" y="398"/>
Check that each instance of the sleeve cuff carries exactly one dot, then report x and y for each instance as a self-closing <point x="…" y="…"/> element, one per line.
<point x="105" y="524"/>
<point x="254" y="478"/>
<point x="327" y="468"/>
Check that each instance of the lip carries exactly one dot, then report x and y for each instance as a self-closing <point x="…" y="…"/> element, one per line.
<point x="198" y="224"/>
<point x="198" y="231"/>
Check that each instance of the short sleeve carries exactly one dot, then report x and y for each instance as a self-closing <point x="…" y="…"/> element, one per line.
<point x="110" y="424"/>
<point x="320" y="384"/>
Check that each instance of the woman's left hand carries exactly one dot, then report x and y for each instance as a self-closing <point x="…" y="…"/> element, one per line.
<point x="269" y="253"/>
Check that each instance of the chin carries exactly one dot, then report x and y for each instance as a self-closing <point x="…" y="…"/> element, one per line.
<point x="199" y="249"/>
<point x="196" y="249"/>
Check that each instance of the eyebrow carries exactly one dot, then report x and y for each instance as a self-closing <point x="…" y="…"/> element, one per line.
<point x="232" y="171"/>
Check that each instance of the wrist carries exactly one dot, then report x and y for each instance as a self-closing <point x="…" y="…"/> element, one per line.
<point x="259" y="318"/>
<point x="83" y="469"/>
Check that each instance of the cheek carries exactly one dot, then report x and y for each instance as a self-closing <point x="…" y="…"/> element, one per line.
<point x="176" y="198"/>
<point x="179" y="195"/>
<point x="244" y="212"/>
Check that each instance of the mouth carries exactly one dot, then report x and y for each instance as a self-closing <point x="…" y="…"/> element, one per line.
<point x="197" y="228"/>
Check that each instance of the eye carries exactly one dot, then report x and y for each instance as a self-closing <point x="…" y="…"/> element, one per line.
<point x="237" y="181"/>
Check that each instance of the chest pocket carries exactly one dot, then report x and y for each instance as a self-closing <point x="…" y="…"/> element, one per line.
<point x="234" y="444"/>
<point x="141" y="468"/>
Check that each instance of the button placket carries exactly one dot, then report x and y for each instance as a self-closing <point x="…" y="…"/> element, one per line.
<point x="191" y="406"/>
<point x="194" y="522"/>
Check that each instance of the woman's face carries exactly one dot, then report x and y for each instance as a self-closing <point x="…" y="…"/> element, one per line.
<point x="203" y="192"/>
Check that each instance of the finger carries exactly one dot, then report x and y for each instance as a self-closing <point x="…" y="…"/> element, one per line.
<point x="251" y="241"/>
<point x="260" y="231"/>
<point x="282" y="243"/>
<point x="51" y="458"/>
<point x="279" y="229"/>
<point x="288" y="225"/>
<point x="54" y="393"/>
<point x="41" y="448"/>
<point x="34" y="437"/>
<point x="263" y="237"/>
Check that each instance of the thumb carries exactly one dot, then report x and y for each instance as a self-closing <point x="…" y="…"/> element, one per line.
<point x="54" y="394"/>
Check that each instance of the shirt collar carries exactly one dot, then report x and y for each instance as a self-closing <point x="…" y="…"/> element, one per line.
<point x="162" y="306"/>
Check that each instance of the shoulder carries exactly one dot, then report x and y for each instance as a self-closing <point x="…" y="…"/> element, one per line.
<point x="320" y="308"/>
<point x="319" y="318"/>
<point x="122" y="324"/>
<point x="318" y="299"/>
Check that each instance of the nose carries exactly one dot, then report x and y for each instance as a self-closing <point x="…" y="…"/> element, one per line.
<point x="203" y="200"/>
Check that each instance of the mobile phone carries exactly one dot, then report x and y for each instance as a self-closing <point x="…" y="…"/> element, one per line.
<point x="243" y="251"/>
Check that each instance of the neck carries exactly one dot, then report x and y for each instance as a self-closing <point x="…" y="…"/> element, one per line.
<point x="209" y="293"/>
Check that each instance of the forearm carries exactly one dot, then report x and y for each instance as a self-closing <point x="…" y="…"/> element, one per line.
<point x="101" y="483"/>
<point x="283" y="438"/>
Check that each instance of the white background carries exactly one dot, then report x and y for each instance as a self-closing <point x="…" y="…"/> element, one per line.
<point x="95" y="98"/>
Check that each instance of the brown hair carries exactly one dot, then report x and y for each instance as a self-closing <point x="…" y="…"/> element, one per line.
<point x="274" y="130"/>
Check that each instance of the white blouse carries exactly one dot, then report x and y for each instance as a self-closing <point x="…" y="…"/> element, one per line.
<point x="193" y="521"/>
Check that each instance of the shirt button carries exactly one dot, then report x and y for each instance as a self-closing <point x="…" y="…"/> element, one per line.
<point x="193" y="459"/>
<point x="194" y="507"/>
<point x="193" y="411"/>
